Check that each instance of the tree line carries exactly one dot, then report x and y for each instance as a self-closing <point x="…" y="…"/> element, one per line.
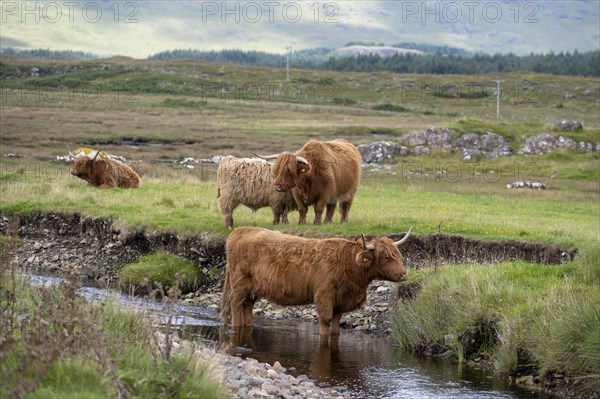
<point x="444" y="61"/>
<point x="46" y="53"/>
<point x="450" y="63"/>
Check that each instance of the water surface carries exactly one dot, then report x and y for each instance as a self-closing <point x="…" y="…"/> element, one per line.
<point x="365" y="366"/>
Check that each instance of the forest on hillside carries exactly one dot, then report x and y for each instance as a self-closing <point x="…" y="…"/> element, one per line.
<point x="439" y="60"/>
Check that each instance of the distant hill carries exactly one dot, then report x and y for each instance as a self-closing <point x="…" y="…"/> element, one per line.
<point x="382" y="51"/>
<point x="45" y="53"/>
<point x="422" y="47"/>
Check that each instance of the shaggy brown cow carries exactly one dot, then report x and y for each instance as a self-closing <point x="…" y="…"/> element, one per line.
<point x="104" y="173"/>
<point x="250" y="182"/>
<point x="319" y="174"/>
<point x="331" y="273"/>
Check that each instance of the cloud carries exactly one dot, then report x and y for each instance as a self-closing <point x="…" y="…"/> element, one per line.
<point x="6" y="41"/>
<point x="139" y="29"/>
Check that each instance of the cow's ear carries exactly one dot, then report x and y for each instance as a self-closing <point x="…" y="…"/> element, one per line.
<point x="303" y="168"/>
<point x="365" y="258"/>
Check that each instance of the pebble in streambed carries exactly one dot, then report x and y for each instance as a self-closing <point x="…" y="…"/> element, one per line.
<point x="249" y="378"/>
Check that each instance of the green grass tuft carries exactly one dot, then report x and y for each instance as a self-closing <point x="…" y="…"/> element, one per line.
<point x="163" y="268"/>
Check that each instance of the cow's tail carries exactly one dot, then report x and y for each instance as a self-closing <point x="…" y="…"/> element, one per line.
<point x="225" y="299"/>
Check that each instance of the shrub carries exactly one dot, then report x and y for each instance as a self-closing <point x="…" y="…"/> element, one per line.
<point x="389" y="107"/>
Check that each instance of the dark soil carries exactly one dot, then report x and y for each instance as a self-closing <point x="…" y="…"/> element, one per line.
<point x="56" y="242"/>
<point x="436" y="249"/>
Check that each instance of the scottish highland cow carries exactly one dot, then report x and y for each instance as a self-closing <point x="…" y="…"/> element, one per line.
<point x="249" y="182"/>
<point x="288" y="270"/>
<point x="319" y="174"/>
<point x="104" y="173"/>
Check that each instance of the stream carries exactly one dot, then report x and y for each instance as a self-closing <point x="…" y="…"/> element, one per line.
<point x="366" y="366"/>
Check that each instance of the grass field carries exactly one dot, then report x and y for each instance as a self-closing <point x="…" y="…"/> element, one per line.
<point x="201" y="109"/>
<point x="179" y="109"/>
<point x="477" y="206"/>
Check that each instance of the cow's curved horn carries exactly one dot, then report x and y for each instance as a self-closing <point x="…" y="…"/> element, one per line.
<point x="302" y="160"/>
<point x="97" y="153"/>
<point x="366" y="246"/>
<point x="266" y="157"/>
<point x="72" y="154"/>
<point x="397" y="243"/>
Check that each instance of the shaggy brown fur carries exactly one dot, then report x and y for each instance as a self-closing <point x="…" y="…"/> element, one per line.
<point x="105" y="173"/>
<point x="249" y="182"/>
<point x="331" y="175"/>
<point x="331" y="273"/>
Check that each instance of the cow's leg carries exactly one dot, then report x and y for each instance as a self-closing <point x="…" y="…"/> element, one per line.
<point x="302" y="210"/>
<point x="238" y="299"/>
<point x="345" y="209"/>
<point x="241" y="314"/>
<point x="330" y="212"/>
<point x="284" y="218"/>
<point x="226" y="208"/>
<point x="335" y="323"/>
<point x="276" y="217"/>
<point x="237" y="314"/>
<point x="247" y="312"/>
<point x="324" y="307"/>
<point x="319" y="207"/>
<point x="279" y="211"/>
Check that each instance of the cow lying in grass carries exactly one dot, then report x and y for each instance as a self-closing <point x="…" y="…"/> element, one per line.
<point x="288" y="270"/>
<point x="104" y="172"/>
<point x="249" y="182"/>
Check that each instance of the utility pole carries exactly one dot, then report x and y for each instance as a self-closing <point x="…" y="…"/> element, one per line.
<point x="498" y="94"/>
<point x="289" y="49"/>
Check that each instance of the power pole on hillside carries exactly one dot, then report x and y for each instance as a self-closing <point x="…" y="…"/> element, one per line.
<point x="498" y="95"/>
<point x="289" y="50"/>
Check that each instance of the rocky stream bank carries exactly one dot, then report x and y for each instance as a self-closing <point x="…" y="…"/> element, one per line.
<point x="52" y="243"/>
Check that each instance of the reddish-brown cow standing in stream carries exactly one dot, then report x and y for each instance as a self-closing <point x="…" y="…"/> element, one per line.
<point x="288" y="270"/>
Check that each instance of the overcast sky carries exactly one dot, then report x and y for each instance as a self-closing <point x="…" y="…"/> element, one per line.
<point x="141" y="28"/>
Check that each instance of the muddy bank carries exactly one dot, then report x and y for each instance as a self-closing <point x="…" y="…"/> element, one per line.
<point x="109" y="248"/>
<point x="53" y="242"/>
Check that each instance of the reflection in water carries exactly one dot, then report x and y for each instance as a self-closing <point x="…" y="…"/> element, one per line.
<point x="370" y="367"/>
